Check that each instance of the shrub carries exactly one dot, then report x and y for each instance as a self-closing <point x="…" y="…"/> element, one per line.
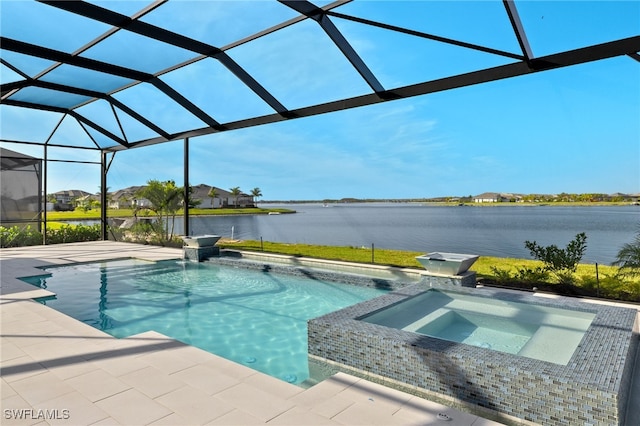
<point x="19" y="237"/>
<point x="536" y="275"/>
<point x="145" y="232"/>
<point x="72" y="234"/>
<point x="612" y="286"/>
<point x="523" y="275"/>
<point x="501" y="275"/>
<point x="560" y="262"/>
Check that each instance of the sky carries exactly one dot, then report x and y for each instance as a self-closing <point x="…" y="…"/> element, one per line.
<point x="574" y="130"/>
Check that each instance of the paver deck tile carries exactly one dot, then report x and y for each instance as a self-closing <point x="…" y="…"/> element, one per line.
<point x="152" y="382"/>
<point x="6" y="390"/>
<point x="324" y="391"/>
<point x="330" y="407"/>
<point x="167" y="361"/>
<point x="41" y="387"/>
<point x="133" y="408"/>
<point x="120" y="365"/>
<point x="97" y="385"/>
<point x="205" y="379"/>
<point x="418" y="410"/>
<point x="363" y="390"/>
<point x="19" y="368"/>
<point x="171" y="420"/>
<point x="366" y="413"/>
<point x="299" y="416"/>
<point x="275" y="386"/>
<point x="257" y="402"/>
<point x="195" y="405"/>
<point x="230" y="368"/>
<point x="236" y="418"/>
<point x="109" y="421"/>
<point x="72" y="408"/>
<point x="15" y="405"/>
<point x="10" y="351"/>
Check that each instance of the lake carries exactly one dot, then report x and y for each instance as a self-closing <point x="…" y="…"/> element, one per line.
<point x="484" y="230"/>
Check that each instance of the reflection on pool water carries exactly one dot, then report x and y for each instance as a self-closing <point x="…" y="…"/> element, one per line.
<point x="257" y="318"/>
<point x="539" y="332"/>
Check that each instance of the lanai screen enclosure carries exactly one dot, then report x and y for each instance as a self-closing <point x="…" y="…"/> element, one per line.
<point x="85" y="61"/>
<point x="20" y="183"/>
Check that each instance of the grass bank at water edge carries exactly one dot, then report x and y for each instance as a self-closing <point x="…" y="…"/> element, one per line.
<point x="588" y="282"/>
<point x="124" y="213"/>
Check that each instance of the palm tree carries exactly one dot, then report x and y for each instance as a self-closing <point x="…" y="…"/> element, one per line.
<point x="235" y="191"/>
<point x="255" y="192"/>
<point x="166" y="199"/>
<point x="629" y="257"/>
<point x="192" y="203"/>
<point x="212" y="194"/>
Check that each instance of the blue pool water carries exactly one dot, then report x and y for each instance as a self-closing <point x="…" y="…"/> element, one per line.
<point x="255" y="318"/>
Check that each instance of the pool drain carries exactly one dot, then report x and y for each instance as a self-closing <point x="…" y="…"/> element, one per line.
<point x="250" y="360"/>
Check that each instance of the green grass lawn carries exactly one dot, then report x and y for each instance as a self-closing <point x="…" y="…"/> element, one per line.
<point x="606" y="284"/>
<point x="95" y="214"/>
<point x="77" y="215"/>
<point x="399" y="258"/>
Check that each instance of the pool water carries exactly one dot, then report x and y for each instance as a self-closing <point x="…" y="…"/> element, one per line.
<point x="255" y="318"/>
<point x="534" y="331"/>
<point x="480" y="330"/>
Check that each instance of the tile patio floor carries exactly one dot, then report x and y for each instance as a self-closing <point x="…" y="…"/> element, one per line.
<point x="57" y="367"/>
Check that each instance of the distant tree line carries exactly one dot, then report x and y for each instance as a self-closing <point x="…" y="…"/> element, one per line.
<point x="524" y="198"/>
<point x="579" y="198"/>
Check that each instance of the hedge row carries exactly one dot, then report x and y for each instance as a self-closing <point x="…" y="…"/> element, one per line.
<point x="20" y="237"/>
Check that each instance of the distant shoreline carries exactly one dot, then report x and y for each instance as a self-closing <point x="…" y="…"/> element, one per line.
<point x="122" y="213"/>
<point x="464" y="204"/>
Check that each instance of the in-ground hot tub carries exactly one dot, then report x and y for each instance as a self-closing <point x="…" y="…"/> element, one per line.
<point x="540" y="332"/>
<point x="588" y="385"/>
<point x="447" y="263"/>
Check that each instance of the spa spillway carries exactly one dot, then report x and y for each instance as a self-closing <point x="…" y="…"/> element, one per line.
<point x="201" y="241"/>
<point x="447" y="263"/>
<point x="200" y="247"/>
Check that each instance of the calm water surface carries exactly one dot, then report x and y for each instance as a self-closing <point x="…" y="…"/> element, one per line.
<point x="256" y="318"/>
<point x="490" y="231"/>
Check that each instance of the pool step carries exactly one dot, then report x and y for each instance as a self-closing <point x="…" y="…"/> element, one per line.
<point x="426" y="320"/>
<point x="544" y="344"/>
<point x="133" y="271"/>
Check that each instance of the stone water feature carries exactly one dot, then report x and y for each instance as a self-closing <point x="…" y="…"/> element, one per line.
<point x="449" y="268"/>
<point x="200" y="247"/>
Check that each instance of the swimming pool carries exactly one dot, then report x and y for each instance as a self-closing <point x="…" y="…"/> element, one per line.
<point x="253" y="317"/>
